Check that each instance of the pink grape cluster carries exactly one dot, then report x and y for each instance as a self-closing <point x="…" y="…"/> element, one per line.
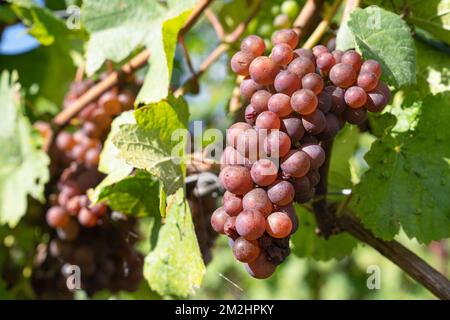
<point x="297" y="99"/>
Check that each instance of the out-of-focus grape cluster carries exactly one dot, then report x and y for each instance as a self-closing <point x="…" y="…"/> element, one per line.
<point x="297" y="98"/>
<point x="99" y="241"/>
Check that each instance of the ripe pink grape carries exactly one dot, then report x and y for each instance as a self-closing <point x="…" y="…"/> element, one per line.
<point x="355" y="97"/>
<point x="287" y="82"/>
<point x="240" y="62"/>
<point x="287" y="36"/>
<point x="277" y="144"/>
<point x="257" y="199"/>
<point x="342" y="75"/>
<point x="282" y="54"/>
<point x="295" y="164"/>
<point x="281" y="192"/>
<point x="236" y="179"/>
<point x="264" y="172"/>
<point x="218" y="219"/>
<point x="280" y="104"/>
<point x="278" y="225"/>
<point x="314" y="123"/>
<point x="267" y="120"/>
<point x="250" y="224"/>
<point x="304" y="101"/>
<point x="253" y="44"/>
<point x="263" y="70"/>
<point x="245" y="250"/>
<point x="313" y="82"/>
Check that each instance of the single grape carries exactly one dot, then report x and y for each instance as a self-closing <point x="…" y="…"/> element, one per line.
<point x="267" y="120"/>
<point x="313" y="82"/>
<point x="316" y="155"/>
<point x="281" y="54"/>
<point x="280" y="104"/>
<point x="250" y="224"/>
<point x="314" y="123"/>
<point x="232" y="203"/>
<point x="235" y="131"/>
<point x="355" y="116"/>
<point x="304" y="101"/>
<point x="302" y="187"/>
<point x="110" y="103"/>
<point x="337" y="99"/>
<point x="295" y="164"/>
<point x="384" y="89"/>
<point x="325" y="101"/>
<point x="293" y="126"/>
<point x="325" y="61"/>
<point x="57" y="217"/>
<point x="99" y="210"/>
<point x="314" y="177"/>
<point x="248" y="87"/>
<point x="279" y="225"/>
<point x="229" y="228"/>
<point x="126" y="98"/>
<point x="319" y="49"/>
<point x="260" y="100"/>
<point x="376" y="101"/>
<point x="254" y="45"/>
<point x="367" y="80"/>
<point x="287" y="82"/>
<point x="355" y="97"/>
<point x="372" y="66"/>
<point x="277" y="144"/>
<point x="218" y="219"/>
<point x="86" y="218"/>
<point x="64" y="141"/>
<point x="264" y="172"/>
<point x="281" y="192"/>
<point x="301" y="66"/>
<point x="92" y="157"/>
<point x="250" y="115"/>
<point x="68" y="232"/>
<point x="248" y="144"/>
<point x="305" y="53"/>
<point x="287" y="36"/>
<point x="236" y="179"/>
<point x="332" y="127"/>
<point x="261" y="268"/>
<point x="257" y="199"/>
<point x="352" y="58"/>
<point x="78" y="153"/>
<point x="263" y="70"/>
<point x="290" y="211"/>
<point x="342" y="75"/>
<point x="74" y="205"/>
<point x="337" y="55"/>
<point x="241" y="61"/>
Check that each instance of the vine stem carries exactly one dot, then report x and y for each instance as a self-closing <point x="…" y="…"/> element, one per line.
<point x="113" y="78"/>
<point x="322" y="27"/>
<point x="218" y="51"/>
<point x="309" y="13"/>
<point x="407" y="260"/>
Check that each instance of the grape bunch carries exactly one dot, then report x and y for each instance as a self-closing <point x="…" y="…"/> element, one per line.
<point x="84" y="234"/>
<point x="297" y="98"/>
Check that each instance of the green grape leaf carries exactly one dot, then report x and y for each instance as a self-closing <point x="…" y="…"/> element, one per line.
<point x="431" y="15"/>
<point x="343" y="148"/>
<point x="175" y="266"/>
<point x="110" y="163"/>
<point x="44" y="25"/>
<point x="152" y="144"/>
<point x="408" y="182"/>
<point x="306" y="243"/>
<point x="24" y="167"/>
<point x="136" y="195"/>
<point x="433" y="72"/>
<point x="344" y="38"/>
<point x="117" y="28"/>
<point x="385" y="37"/>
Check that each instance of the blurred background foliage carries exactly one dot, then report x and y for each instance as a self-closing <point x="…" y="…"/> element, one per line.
<point x="45" y="74"/>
